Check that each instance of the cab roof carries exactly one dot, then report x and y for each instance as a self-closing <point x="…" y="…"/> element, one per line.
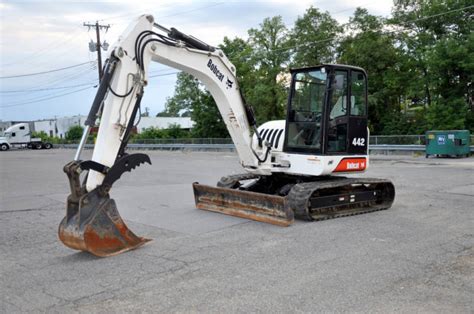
<point x="326" y="65"/>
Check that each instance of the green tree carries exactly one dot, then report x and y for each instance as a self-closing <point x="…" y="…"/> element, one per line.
<point x="74" y="133"/>
<point x="438" y="35"/>
<point x="185" y="94"/>
<point x="271" y="56"/>
<point x="207" y="119"/>
<point x="191" y="97"/>
<point x="369" y="47"/>
<point x="241" y="54"/>
<point x="315" y="38"/>
<point x="175" y="131"/>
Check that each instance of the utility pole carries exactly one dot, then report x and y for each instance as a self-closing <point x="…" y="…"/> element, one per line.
<point x="98" y="45"/>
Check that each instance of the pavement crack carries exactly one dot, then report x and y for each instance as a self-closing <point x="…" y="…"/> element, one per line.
<point x="26" y="210"/>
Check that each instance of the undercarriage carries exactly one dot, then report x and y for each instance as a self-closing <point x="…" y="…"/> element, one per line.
<point x="288" y="197"/>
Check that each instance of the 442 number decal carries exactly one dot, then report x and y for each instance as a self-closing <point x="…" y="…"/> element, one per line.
<point x="358" y="141"/>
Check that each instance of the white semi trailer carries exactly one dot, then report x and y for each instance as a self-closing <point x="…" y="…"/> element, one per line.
<point x="19" y="135"/>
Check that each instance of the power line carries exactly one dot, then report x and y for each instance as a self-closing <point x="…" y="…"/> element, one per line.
<point x="332" y="38"/>
<point x="71" y="78"/>
<point x="50" y="47"/>
<point x="46" y="89"/>
<point x="26" y="97"/>
<point x="68" y="93"/>
<point x="390" y="32"/>
<point x="46" y="98"/>
<point x="284" y="48"/>
<point x="45" y="72"/>
<point x="439" y="14"/>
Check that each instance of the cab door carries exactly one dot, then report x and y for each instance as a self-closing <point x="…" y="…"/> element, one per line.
<point x="337" y="114"/>
<point x="346" y="113"/>
<point x="357" y="128"/>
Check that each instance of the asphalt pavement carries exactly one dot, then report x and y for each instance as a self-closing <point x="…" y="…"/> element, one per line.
<point x="417" y="256"/>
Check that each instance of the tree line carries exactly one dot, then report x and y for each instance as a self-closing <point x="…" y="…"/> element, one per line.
<point x="420" y="64"/>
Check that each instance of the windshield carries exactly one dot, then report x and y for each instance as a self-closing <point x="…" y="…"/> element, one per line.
<point x="306" y="105"/>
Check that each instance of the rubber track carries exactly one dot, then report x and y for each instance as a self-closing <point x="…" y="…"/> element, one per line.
<point x="300" y="196"/>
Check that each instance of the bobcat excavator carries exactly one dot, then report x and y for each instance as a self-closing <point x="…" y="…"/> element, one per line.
<point x="290" y="165"/>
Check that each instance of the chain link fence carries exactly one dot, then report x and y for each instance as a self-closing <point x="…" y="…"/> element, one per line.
<point x="397" y="140"/>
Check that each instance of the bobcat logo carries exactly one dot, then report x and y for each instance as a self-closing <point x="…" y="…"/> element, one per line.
<point x="229" y="83"/>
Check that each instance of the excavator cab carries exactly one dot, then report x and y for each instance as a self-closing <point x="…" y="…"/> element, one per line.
<point x="325" y="132"/>
<point x="327" y="111"/>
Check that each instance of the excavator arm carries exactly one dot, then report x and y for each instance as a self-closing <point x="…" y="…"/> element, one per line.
<point x="126" y="76"/>
<point x="92" y="222"/>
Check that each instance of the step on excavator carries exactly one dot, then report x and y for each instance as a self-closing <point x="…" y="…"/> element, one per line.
<point x="292" y="168"/>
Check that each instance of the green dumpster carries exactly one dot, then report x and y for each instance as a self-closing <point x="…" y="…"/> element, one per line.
<point x="454" y="143"/>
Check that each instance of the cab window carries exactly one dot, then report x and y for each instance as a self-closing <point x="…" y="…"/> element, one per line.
<point x="337" y="122"/>
<point x="305" y="110"/>
<point x="358" y="92"/>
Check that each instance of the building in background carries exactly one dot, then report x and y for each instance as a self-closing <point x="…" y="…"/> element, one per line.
<point x="58" y="127"/>
<point x="164" y="123"/>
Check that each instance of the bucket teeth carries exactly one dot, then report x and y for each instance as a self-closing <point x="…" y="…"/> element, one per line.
<point x="96" y="227"/>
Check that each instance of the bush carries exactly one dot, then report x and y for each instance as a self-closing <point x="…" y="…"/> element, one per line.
<point x="174" y="131"/>
<point x="45" y="137"/>
<point x="74" y="133"/>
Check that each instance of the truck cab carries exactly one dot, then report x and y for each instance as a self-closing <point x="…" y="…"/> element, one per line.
<point x="19" y="135"/>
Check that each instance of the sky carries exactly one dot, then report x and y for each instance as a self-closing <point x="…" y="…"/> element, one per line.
<point x="40" y="36"/>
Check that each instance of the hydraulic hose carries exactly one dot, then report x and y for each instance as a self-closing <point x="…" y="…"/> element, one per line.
<point x="109" y="69"/>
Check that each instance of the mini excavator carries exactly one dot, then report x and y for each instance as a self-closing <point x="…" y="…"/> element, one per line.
<point x="292" y="168"/>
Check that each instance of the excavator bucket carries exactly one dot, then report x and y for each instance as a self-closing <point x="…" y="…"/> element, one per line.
<point x="96" y="227"/>
<point x="93" y="223"/>
<point x="271" y="209"/>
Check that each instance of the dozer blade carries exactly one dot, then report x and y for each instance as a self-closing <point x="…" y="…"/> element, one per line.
<point x="256" y="206"/>
<point x="94" y="225"/>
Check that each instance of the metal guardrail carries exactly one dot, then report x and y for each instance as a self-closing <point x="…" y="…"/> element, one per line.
<point x="387" y="147"/>
<point x="207" y="141"/>
<point x="231" y="147"/>
<point x="400" y="143"/>
<point x="216" y="147"/>
<point x="374" y="140"/>
<point x="183" y="146"/>
<point x="400" y="139"/>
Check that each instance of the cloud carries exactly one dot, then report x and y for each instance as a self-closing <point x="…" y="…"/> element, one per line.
<point x="42" y="35"/>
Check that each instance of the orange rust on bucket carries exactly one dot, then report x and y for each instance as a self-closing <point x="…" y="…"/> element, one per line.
<point x="97" y="228"/>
